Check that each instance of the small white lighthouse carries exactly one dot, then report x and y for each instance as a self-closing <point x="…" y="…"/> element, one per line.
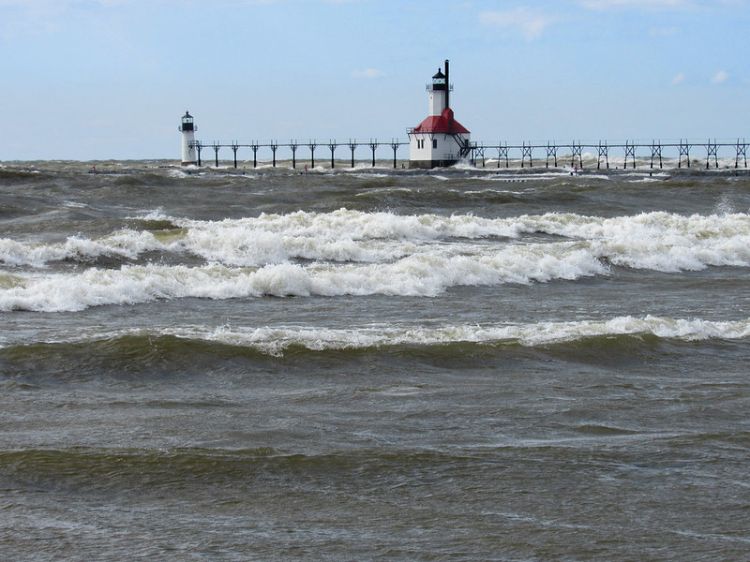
<point x="439" y="140"/>
<point x="187" y="128"/>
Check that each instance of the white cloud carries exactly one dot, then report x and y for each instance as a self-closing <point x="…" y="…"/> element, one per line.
<point x="720" y="77"/>
<point x="648" y="4"/>
<point x="368" y="73"/>
<point x="58" y="5"/>
<point x="678" y="79"/>
<point x="531" y="24"/>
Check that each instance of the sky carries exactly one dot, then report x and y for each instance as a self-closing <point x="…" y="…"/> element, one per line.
<point x="99" y="79"/>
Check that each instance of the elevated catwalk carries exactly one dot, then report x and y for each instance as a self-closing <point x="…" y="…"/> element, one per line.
<point x="689" y="153"/>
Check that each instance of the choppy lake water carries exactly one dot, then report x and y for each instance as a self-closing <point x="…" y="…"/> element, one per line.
<point x="462" y="365"/>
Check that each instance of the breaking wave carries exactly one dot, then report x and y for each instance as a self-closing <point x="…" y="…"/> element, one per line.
<point x="125" y="244"/>
<point x="275" y="341"/>
<point x="356" y="253"/>
<point x="658" y="240"/>
<point x="419" y="275"/>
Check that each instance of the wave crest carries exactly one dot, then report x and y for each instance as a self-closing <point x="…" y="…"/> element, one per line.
<point x="658" y="240"/>
<point x="148" y="344"/>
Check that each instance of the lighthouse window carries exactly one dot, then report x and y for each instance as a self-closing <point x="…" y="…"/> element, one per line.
<point x="434" y="143"/>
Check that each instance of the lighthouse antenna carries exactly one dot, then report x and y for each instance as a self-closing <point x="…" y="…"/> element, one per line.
<point x="447" y="85"/>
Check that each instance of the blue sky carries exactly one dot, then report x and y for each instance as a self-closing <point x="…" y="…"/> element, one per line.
<point x="89" y="79"/>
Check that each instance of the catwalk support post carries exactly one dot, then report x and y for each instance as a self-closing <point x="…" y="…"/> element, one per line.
<point x="602" y="151"/>
<point x="577" y="150"/>
<point x="629" y="152"/>
<point x="526" y="153"/>
<point x="656" y="153"/>
<point x="479" y="151"/>
<point x="502" y="153"/>
<point x="741" y="153"/>
<point x="712" y="149"/>
<point x="684" y="151"/>
<point x="332" y="146"/>
<point x="198" y="148"/>
<point x="551" y="151"/>
<point x="293" y="145"/>
<point x="312" y="145"/>
<point x="352" y="147"/>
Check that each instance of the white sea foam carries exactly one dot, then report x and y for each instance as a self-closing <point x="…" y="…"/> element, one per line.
<point x="725" y="206"/>
<point x="520" y="177"/>
<point x="646" y="180"/>
<point x="425" y="275"/>
<point x="75" y="205"/>
<point x="125" y="243"/>
<point x="660" y="241"/>
<point x="153" y="215"/>
<point x="497" y="191"/>
<point x="275" y="340"/>
<point x="368" y="176"/>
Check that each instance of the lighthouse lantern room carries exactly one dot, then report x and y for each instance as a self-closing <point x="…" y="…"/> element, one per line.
<point x="188" y="128"/>
<point x="439" y="140"/>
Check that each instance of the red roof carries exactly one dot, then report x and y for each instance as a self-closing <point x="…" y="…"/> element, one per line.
<point x="443" y="123"/>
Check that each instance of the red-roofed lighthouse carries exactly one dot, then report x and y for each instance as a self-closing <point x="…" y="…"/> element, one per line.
<point x="439" y="140"/>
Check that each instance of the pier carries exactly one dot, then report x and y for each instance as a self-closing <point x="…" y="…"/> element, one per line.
<point x="689" y="154"/>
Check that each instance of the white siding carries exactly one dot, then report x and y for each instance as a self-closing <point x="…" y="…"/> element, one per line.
<point x="448" y="146"/>
<point x="437" y="102"/>
<point x="188" y="152"/>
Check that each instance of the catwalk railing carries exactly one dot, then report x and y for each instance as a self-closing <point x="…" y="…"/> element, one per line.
<point x="553" y="153"/>
<point x="293" y="146"/>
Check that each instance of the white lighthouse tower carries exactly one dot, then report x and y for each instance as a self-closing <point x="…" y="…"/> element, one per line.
<point x="439" y="140"/>
<point x="188" y="128"/>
